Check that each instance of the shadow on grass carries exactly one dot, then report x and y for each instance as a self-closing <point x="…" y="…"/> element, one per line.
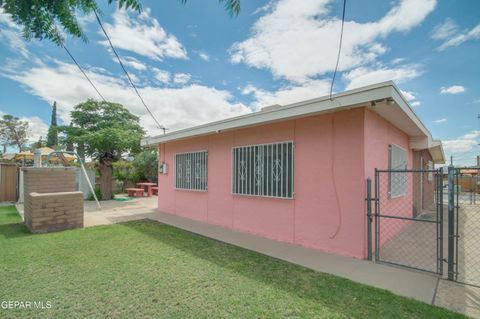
<point x="11" y="225"/>
<point x="14" y="230"/>
<point x="342" y="295"/>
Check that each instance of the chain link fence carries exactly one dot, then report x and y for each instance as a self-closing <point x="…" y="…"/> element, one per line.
<point x="413" y="209"/>
<point x="467" y="225"/>
<point x="408" y="219"/>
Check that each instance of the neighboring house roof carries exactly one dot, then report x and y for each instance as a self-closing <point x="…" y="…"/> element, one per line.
<point x="8" y="156"/>
<point x="383" y="98"/>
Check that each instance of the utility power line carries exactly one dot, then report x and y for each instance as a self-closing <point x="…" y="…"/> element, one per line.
<point x="339" y="48"/>
<point x="84" y="74"/>
<point x="126" y="73"/>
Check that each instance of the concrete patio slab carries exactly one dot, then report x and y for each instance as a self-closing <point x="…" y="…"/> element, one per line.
<point x="458" y="297"/>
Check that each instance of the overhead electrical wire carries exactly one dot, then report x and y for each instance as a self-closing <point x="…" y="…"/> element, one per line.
<point x="332" y="160"/>
<point x="339" y="48"/>
<point x="126" y="73"/>
<point x="83" y="72"/>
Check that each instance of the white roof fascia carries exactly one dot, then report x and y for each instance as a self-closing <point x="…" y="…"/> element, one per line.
<point x="348" y="99"/>
<point x="420" y="137"/>
<point x="436" y="151"/>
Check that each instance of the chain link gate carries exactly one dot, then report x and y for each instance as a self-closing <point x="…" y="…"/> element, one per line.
<point x="407" y="218"/>
<point x="464" y="225"/>
<point x="405" y="226"/>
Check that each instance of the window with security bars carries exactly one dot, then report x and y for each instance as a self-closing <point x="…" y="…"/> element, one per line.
<point x="397" y="185"/>
<point x="263" y="170"/>
<point x="191" y="171"/>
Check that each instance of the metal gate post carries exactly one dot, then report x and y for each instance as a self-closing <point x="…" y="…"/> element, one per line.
<point x="440" y="200"/>
<point x="369" y="219"/>
<point x="377" y="216"/>
<point x="451" y="222"/>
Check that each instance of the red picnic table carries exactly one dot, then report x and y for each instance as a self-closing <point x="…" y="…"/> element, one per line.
<point x="147" y="187"/>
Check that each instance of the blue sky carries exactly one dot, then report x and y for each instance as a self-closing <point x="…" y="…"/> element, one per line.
<point x="194" y="63"/>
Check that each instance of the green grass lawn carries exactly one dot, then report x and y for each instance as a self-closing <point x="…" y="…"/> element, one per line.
<point x="146" y="269"/>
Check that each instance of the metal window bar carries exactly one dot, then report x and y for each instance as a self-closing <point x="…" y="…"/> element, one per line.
<point x="263" y="170"/>
<point x="191" y="170"/>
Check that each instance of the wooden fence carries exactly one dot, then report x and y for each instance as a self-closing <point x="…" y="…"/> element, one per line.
<point x="8" y="182"/>
<point x="469" y="183"/>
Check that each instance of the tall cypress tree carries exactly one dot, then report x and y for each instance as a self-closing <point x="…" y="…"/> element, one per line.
<point x="52" y="136"/>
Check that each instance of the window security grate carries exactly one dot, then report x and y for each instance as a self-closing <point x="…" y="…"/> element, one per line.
<point x="263" y="170"/>
<point x="191" y="170"/>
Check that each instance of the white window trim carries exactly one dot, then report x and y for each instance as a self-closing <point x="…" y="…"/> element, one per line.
<point x="390" y="168"/>
<point x="175" y="172"/>
<point x="430" y="167"/>
<point x="263" y="196"/>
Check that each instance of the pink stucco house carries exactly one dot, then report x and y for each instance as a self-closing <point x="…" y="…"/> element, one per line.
<point x="294" y="173"/>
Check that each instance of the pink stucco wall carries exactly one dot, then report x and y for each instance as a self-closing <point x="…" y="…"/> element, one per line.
<point x="379" y="134"/>
<point x="334" y="153"/>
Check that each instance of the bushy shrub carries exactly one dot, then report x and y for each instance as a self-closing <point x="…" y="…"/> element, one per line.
<point x="125" y="171"/>
<point x="98" y="192"/>
<point x="146" y="165"/>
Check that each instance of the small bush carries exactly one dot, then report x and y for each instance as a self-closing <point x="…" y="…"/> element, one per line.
<point x="98" y="192"/>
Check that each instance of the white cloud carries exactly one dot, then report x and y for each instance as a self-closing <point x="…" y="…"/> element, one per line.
<point x="204" y="56"/>
<point x="440" y="121"/>
<point x="462" y="144"/>
<point x="161" y="75"/>
<point x="364" y="76"/>
<point x="263" y="8"/>
<point x="449" y="33"/>
<point x="11" y="34"/>
<point x="452" y="36"/>
<point x="173" y="107"/>
<point x="181" y="78"/>
<point x="411" y="98"/>
<point x="132" y="62"/>
<point x="444" y="30"/>
<point x="36" y="127"/>
<point x="454" y="89"/>
<point x="415" y="104"/>
<point x="85" y="20"/>
<point x="143" y="35"/>
<point x="297" y="40"/>
<point x="288" y="94"/>
<point x="408" y="95"/>
<point x="398" y="60"/>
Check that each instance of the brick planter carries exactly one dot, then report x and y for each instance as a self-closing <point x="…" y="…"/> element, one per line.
<point x="52" y="202"/>
<point x="54" y="211"/>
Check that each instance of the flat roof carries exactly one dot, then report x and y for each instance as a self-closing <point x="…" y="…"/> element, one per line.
<point x="383" y="98"/>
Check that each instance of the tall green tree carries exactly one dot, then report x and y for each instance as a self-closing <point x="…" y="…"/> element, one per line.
<point x="42" y="19"/>
<point x="69" y="147"/>
<point x="52" y="136"/>
<point x="107" y="132"/>
<point x="13" y="132"/>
